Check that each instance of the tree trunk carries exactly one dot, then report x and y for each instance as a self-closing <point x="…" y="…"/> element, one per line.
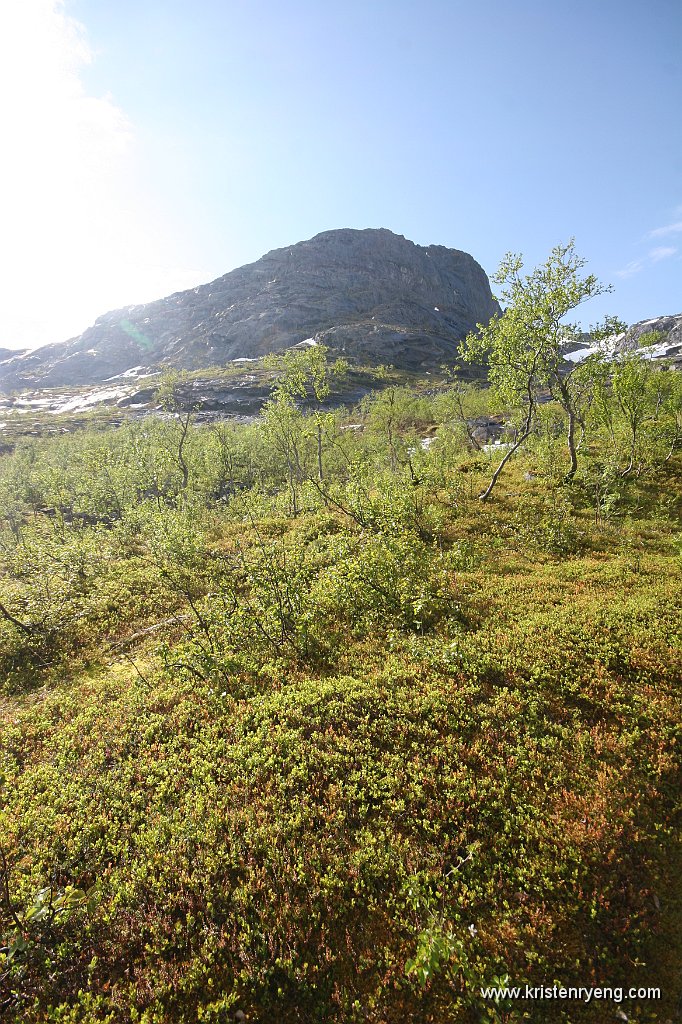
<point x="469" y="432"/>
<point x="184" y="468"/>
<point x="488" y="491"/>
<point x="571" y="446"/>
<point x="633" y="452"/>
<point x="319" y="452"/>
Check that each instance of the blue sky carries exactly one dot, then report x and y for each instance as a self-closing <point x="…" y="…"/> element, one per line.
<point x="160" y="143"/>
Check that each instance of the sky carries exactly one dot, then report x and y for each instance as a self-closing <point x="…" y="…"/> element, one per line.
<point x="154" y="145"/>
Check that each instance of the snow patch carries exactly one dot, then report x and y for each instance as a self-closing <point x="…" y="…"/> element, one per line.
<point x="27" y="404"/>
<point x="581" y="353"/>
<point x="655" y="351"/>
<point x="608" y="349"/>
<point x="643" y="323"/>
<point x="134" y="371"/>
<point x="81" y="402"/>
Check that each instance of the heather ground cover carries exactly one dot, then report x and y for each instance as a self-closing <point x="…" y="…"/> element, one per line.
<point x="292" y="725"/>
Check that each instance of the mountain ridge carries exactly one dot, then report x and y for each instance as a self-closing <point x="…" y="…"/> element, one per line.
<point x="369" y="294"/>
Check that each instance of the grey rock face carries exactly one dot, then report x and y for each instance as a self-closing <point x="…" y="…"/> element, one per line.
<point x="373" y="295"/>
<point x="657" y="339"/>
<point x="10" y="353"/>
<point x="669" y="346"/>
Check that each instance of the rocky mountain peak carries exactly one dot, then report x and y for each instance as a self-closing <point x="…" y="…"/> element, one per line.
<point x="371" y="294"/>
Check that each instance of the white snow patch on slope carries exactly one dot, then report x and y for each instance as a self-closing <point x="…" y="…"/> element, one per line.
<point x="134" y="372"/>
<point x="81" y="402"/>
<point x="608" y="349"/>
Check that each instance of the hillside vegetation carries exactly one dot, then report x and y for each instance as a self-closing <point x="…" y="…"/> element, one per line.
<point x="295" y="727"/>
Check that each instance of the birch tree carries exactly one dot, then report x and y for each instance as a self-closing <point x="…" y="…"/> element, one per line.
<point x="524" y="346"/>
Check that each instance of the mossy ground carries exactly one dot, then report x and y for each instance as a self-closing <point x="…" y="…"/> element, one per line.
<point x="463" y="733"/>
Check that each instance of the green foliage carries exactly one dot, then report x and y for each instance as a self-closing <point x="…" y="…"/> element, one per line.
<point x="524" y="345"/>
<point x="644" y="395"/>
<point x="384" y="582"/>
<point x="304" y="373"/>
<point x="650" y="338"/>
<point x="343" y="745"/>
<point x="549" y="525"/>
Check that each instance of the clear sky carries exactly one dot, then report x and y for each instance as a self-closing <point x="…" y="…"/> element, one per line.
<point x="152" y="145"/>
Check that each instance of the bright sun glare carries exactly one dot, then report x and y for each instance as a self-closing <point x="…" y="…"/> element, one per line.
<point x="76" y="239"/>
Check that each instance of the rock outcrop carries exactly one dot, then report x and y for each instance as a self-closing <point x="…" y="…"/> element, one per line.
<point x="372" y="295"/>
<point x="660" y="338"/>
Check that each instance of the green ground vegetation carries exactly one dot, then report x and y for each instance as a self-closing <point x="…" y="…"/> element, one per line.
<point x="293" y="725"/>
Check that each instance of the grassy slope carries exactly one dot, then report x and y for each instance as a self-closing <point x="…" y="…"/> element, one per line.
<point x="504" y="783"/>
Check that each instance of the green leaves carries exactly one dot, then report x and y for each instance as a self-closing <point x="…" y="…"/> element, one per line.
<point x="41" y="923"/>
<point x="435" y="949"/>
<point x="524" y="346"/>
<point x="48" y="904"/>
<point x="306" y="373"/>
<point x="307" y="753"/>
